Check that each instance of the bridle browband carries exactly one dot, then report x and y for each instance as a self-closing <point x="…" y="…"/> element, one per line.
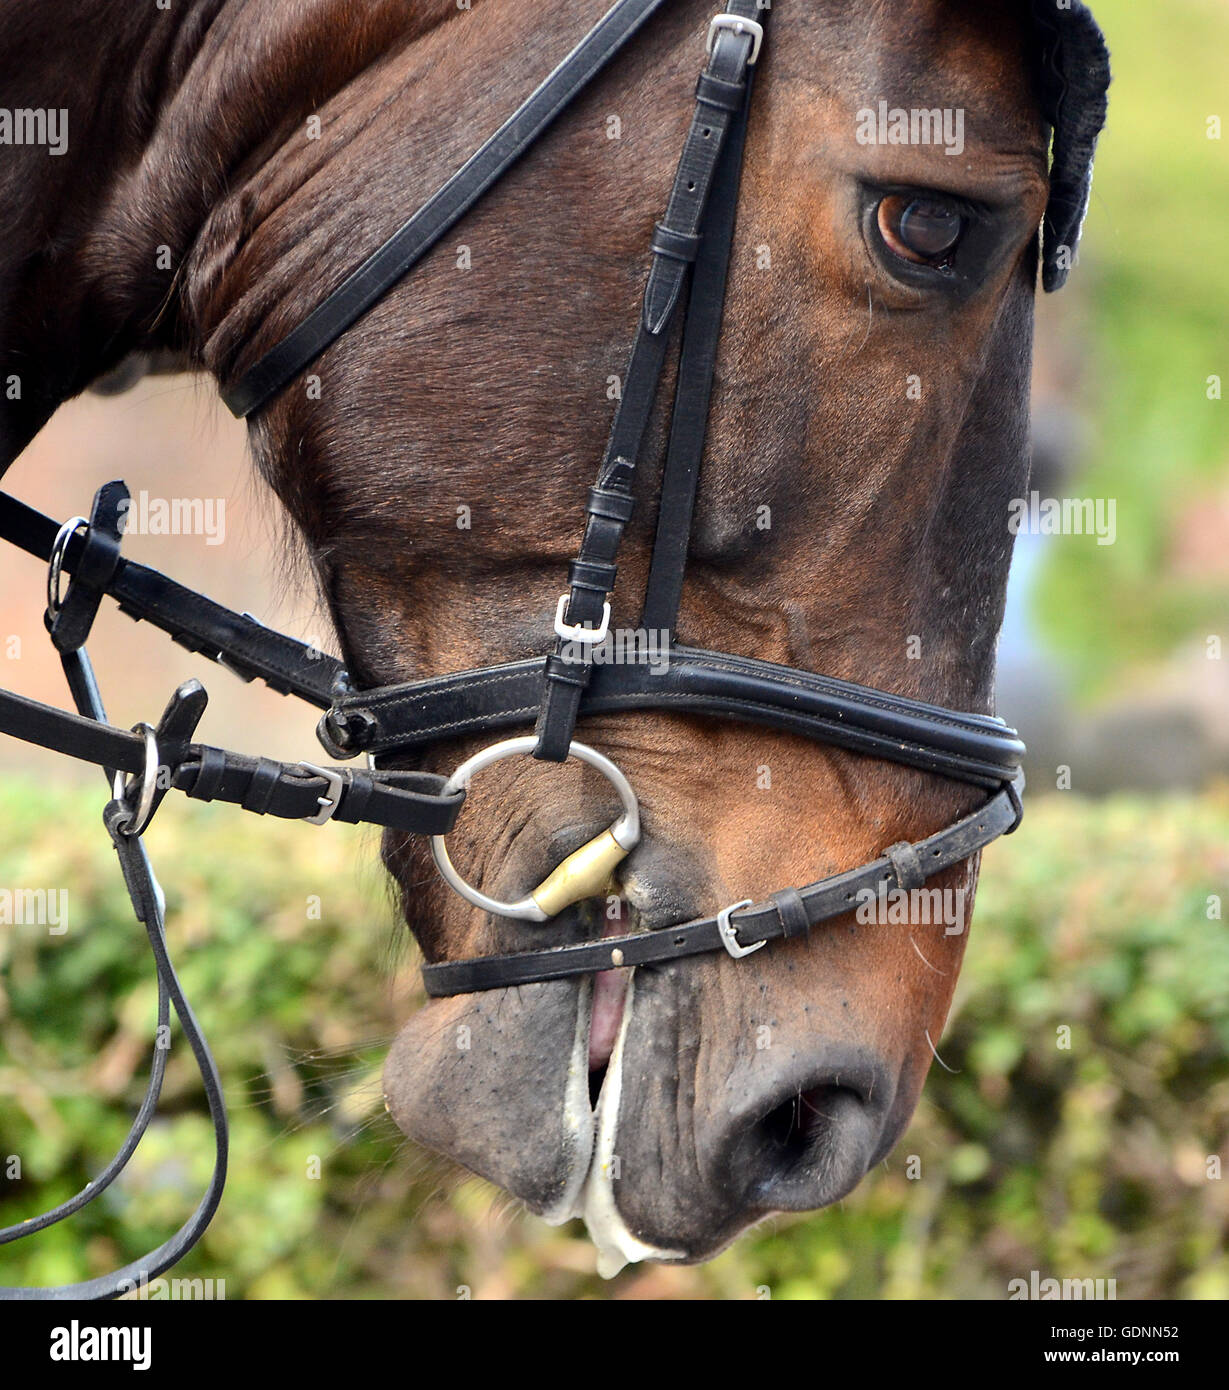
<point x="687" y="277"/>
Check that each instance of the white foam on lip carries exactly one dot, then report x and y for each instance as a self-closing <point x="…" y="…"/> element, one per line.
<point x="577" y="1117"/>
<point x="616" y="1245"/>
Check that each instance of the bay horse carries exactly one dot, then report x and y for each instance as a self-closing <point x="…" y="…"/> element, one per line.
<point x="228" y="162"/>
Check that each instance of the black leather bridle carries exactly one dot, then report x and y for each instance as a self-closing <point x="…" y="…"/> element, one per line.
<point x="686" y="280"/>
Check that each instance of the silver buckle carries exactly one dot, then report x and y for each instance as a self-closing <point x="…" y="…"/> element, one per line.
<point x="728" y="931"/>
<point x="337" y="778"/>
<point x="573" y="632"/>
<point x="736" y="24"/>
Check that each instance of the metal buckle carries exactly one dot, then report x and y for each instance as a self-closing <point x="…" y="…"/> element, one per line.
<point x="729" y="937"/>
<point x="55" y="562"/>
<point x="573" y="632"/>
<point x="583" y="874"/>
<point x="337" y="778"/>
<point x="736" y="24"/>
<point x="139" y="819"/>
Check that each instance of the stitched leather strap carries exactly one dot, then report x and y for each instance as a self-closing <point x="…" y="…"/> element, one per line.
<point x="410" y="801"/>
<point x="259" y="787"/>
<point x="569" y="668"/>
<point x="236" y="640"/>
<point x="830" y="897"/>
<point x="689" y="418"/>
<point x="681" y="245"/>
<point x="974" y="748"/>
<point x="715" y="91"/>
<point x="147" y="906"/>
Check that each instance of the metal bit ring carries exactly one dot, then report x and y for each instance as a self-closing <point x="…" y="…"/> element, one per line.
<point x="56" y="561"/>
<point x="139" y="819"/>
<point x="583" y="873"/>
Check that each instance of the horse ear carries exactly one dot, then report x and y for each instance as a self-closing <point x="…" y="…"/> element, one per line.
<point x="1075" y="77"/>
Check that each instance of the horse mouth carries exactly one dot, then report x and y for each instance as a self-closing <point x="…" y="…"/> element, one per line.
<point x="609" y="1009"/>
<point x="608" y="999"/>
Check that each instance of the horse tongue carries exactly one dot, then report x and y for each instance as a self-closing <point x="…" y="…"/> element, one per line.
<point x="609" y="992"/>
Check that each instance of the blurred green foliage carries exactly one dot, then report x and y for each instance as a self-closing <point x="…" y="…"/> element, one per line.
<point x="1150" y="302"/>
<point x="1085" y="1160"/>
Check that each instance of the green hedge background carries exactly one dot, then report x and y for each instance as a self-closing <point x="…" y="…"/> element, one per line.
<point x="1089" y="1158"/>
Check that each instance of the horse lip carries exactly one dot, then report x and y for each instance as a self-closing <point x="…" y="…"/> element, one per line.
<point x="615" y="1243"/>
<point x="577" y="1118"/>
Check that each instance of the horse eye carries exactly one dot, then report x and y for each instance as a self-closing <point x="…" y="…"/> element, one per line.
<point x="925" y="231"/>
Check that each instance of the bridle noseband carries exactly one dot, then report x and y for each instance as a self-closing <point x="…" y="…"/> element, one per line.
<point x="690" y="248"/>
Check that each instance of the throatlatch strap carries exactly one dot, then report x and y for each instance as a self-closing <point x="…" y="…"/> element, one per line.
<point x="716" y="115"/>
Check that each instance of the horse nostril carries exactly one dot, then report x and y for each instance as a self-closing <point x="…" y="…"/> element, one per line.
<point x="796" y="1120"/>
<point x="813" y="1147"/>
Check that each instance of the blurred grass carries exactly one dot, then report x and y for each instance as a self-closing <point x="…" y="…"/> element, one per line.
<point x="1087" y="1160"/>
<point x="1151" y="296"/>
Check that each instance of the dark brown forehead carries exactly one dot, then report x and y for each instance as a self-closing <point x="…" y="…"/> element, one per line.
<point x="926" y="53"/>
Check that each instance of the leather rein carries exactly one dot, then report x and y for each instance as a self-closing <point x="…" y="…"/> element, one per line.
<point x="690" y="253"/>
